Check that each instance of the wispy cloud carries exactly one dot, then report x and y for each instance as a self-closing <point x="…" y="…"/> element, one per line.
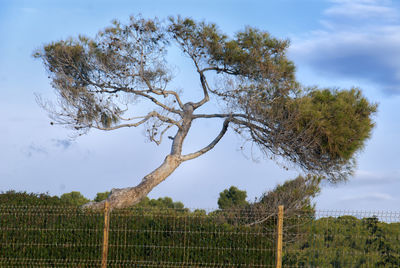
<point x="367" y="178"/>
<point x="34" y="149"/>
<point x="362" y="9"/>
<point x="47" y="147"/>
<point x="64" y="144"/>
<point x="370" y="197"/>
<point x="366" y="50"/>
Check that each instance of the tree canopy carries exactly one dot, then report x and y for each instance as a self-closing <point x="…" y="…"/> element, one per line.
<point x="232" y="198"/>
<point x="73" y="198"/>
<point x="99" y="80"/>
<point x="101" y="196"/>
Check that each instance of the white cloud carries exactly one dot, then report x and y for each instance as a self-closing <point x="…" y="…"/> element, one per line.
<point x="364" y="178"/>
<point x="370" y="197"/>
<point x="362" y="10"/>
<point x="367" y="51"/>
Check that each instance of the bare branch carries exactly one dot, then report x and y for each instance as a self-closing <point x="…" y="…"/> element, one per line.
<point x="205" y="87"/>
<point x="203" y="79"/>
<point x="211" y="145"/>
<point x="165" y="93"/>
<point x="219" y="70"/>
<point x="166" y="119"/>
<point x="143" y="93"/>
<point x="162" y="92"/>
<point x="145" y="118"/>
<point x="131" y="118"/>
<point x="196" y="116"/>
<point x="261" y="220"/>
<point x="155" y="101"/>
<point x="158" y="142"/>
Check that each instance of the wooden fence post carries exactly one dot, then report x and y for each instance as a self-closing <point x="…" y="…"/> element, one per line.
<point x="279" y="238"/>
<point x="105" y="235"/>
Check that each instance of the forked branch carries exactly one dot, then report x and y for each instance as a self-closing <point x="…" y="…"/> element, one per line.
<point x="211" y="145"/>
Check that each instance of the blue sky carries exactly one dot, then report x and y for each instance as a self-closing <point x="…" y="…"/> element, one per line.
<point x="334" y="43"/>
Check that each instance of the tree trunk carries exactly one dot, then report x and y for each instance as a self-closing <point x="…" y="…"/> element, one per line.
<point x="126" y="197"/>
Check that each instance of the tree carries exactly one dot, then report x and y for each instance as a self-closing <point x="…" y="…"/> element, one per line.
<point x="73" y="198"/>
<point x="295" y="195"/>
<point x="101" y="196"/>
<point x="98" y="80"/>
<point x="232" y="198"/>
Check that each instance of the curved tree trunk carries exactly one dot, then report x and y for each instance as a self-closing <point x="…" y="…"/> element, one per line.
<point x="126" y="197"/>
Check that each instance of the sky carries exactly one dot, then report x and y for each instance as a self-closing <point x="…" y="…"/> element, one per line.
<point x="334" y="43"/>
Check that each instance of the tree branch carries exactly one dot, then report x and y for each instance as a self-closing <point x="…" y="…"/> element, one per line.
<point x="164" y="93"/>
<point x="203" y="82"/>
<point x="205" y="87"/>
<point x="145" y="118"/>
<point x="219" y="70"/>
<point x="155" y="101"/>
<point x="196" y="116"/>
<point x="211" y="145"/>
<point x="170" y="92"/>
<point x="158" y="142"/>
<point x="261" y="220"/>
<point x="142" y="93"/>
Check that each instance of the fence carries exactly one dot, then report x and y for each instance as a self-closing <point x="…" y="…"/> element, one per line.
<point x="40" y="236"/>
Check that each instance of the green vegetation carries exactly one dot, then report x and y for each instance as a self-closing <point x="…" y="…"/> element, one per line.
<point x="101" y="196"/>
<point x="41" y="231"/>
<point x="11" y="198"/>
<point x="319" y="130"/>
<point x="74" y="199"/>
<point x="346" y="242"/>
<point x="295" y="195"/>
<point x="154" y="233"/>
<point x="232" y="198"/>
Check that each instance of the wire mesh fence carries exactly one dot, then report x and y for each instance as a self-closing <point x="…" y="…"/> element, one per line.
<point x="40" y="236"/>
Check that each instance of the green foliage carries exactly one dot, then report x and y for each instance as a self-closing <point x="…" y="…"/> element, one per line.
<point x="74" y="199"/>
<point x="339" y="121"/>
<point x="251" y="53"/>
<point x="24" y="198"/>
<point x="101" y="196"/>
<point x="232" y="198"/>
<point x="318" y="130"/>
<point x="69" y="237"/>
<point x="49" y="236"/>
<point x="39" y="230"/>
<point x="160" y="203"/>
<point x="345" y="242"/>
<point x="74" y="64"/>
<point x="295" y="195"/>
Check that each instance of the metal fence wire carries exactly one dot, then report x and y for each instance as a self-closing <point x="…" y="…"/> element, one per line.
<point x="51" y="236"/>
